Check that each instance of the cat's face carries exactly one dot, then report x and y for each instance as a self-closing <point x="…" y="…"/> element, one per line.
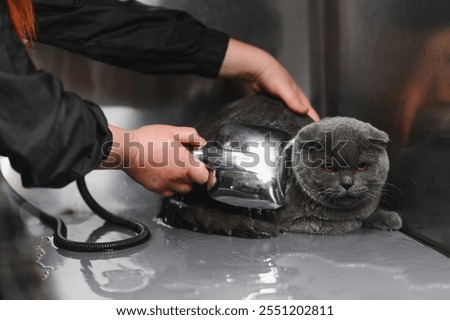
<point x="341" y="162"/>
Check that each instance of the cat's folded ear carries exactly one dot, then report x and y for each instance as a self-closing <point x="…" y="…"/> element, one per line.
<point x="378" y="138"/>
<point x="309" y="136"/>
<point x="306" y="139"/>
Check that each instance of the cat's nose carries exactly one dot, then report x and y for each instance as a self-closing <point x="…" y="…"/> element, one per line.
<point x="347" y="185"/>
<point x="346" y="182"/>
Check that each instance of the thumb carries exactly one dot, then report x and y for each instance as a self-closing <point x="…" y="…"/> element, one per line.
<point x="198" y="172"/>
<point x="189" y="136"/>
<point x="297" y="101"/>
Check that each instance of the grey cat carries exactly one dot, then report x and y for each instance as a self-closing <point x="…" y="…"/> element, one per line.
<point x="339" y="168"/>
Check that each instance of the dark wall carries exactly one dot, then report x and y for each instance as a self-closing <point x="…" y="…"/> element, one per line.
<point x="388" y="62"/>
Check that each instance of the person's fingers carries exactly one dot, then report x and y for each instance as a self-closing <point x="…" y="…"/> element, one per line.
<point x="198" y="173"/>
<point x="183" y="188"/>
<point x="211" y="179"/>
<point x="311" y="111"/>
<point x="284" y="88"/>
<point x="189" y="136"/>
<point x="313" y="114"/>
<point x="193" y="169"/>
<point x="167" y="194"/>
<point x="293" y="101"/>
<point x="301" y="95"/>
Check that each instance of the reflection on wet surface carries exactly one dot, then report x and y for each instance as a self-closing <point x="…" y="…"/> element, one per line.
<point x="180" y="264"/>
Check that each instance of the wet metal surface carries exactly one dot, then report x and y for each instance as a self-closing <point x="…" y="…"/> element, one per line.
<point x="385" y="62"/>
<point x="180" y="264"/>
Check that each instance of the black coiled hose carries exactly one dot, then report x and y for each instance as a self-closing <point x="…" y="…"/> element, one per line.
<point x="60" y="237"/>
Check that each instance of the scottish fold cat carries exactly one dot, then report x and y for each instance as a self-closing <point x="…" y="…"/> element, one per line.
<point x="339" y="168"/>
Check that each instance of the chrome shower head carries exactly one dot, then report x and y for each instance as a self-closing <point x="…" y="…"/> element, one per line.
<point x="251" y="165"/>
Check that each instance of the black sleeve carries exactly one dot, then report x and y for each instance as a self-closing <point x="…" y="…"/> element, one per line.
<point x="129" y="34"/>
<point x="51" y="136"/>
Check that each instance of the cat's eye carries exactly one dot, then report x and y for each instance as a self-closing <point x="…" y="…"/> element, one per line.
<point x="362" y="166"/>
<point x="328" y="168"/>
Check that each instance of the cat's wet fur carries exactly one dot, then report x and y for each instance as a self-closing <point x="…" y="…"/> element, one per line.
<point x="340" y="166"/>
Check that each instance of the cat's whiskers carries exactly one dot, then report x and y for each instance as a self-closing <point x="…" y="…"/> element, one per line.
<point x="379" y="197"/>
<point x="385" y="185"/>
<point x="334" y="204"/>
<point x="372" y="196"/>
<point x="387" y="195"/>
<point x="389" y="187"/>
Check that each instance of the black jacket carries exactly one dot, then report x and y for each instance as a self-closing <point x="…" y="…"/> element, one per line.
<point x="52" y="136"/>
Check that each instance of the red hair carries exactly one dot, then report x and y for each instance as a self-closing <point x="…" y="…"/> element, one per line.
<point x="22" y="15"/>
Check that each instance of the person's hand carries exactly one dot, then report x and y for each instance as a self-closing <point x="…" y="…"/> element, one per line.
<point x="266" y="74"/>
<point x="156" y="156"/>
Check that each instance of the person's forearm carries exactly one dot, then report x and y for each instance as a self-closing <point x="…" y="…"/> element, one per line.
<point x="50" y="136"/>
<point x="120" y="154"/>
<point x="244" y="61"/>
<point x="132" y="35"/>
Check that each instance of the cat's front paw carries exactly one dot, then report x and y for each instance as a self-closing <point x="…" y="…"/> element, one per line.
<point x="384" y="220"/>
<point x="318" y="226"/>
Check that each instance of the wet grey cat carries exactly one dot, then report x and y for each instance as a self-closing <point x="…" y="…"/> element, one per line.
<point x="340" y="166"/>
